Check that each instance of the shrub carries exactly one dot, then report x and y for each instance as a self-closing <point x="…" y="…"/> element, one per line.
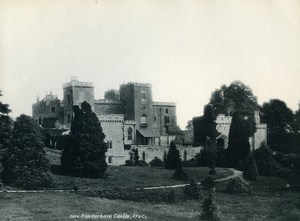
<point x="206" y="157"/>
<point x="189" y="163"/>
<point x="192" y="191"/>
<point x="266" y="164"/>
<point x="179" y="174"/>
<point x="250" y="169"/>
<point x="208" y="183"/>
<point x="173" y="157"/>
<point x="142" y="163"/>
<point x="129" y="163"/>
<point x="209" y="209"/>
<point x="237" y="185"/>
<point x="156" y="162"/>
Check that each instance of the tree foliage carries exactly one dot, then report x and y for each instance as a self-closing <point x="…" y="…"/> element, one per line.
<point x="236" y="97"/>
<point x="173" y="157"/>
<point x="25" y="162"/>
<point x="5" y="126"/>
<point x="279" y="119"/>
<point x="250" y="168"/>
<point x="84" y="154"/>
<point x="238" y="145"/>
<point x="205" y="127"/>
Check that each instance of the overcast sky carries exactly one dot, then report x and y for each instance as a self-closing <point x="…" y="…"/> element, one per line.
<point x="185" y="49"/>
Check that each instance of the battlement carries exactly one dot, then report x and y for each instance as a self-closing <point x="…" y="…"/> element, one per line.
<point x="111" y="118"/>
<point x="75" y="83"/>
<point x="130" y="122"/>
<point x="136" y="84"/>
<point x="172" y="104"/>
<point x="105" y="101"/>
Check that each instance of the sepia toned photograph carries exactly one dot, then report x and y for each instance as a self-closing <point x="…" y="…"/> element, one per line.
<point x="171" y="110"/>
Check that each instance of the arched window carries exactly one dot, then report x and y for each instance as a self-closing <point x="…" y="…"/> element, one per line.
<point x="144" y="119"/>
<point x="129" y="133"/>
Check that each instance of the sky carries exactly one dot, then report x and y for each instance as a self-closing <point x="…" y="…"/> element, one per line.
<point x="186" y="49"/>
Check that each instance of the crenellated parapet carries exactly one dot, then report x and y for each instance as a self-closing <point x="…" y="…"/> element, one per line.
<point x="136" y="84"/>
<point x="75" y="83"/>
<point x="105" y="101"/>
<point x="171" y="104"/>
<point x="111" y="118"/>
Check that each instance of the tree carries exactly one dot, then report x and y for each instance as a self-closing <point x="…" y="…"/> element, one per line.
<point x="296" y="129"/>
<point x="250" y="169"/>
<point x="238" y="145"/>
<point x="279" y="119"/>
<point x="25" y="162"/>
<point x="173" y="157"/>
<point x="84" y="155"/>
<point x="5" y="126"/>
<point x="236" y="97"/>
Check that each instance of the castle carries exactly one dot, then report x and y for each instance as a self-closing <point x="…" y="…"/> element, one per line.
<point x="129" y="117"/>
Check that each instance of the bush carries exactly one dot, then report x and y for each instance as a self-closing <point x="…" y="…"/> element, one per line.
<point x="189" y="163"/>
<point x="129" y="163"/>
<point x="266" y="164"/>
<point x="173" y="157"/>
<point x="209" y="209"/>
<point x="250" y="169"/>
<point x="142" y="163"/>
<point x="206" y="157"/>
<point x="156" y="162"/>
<point x="192" y="191"/>
<point x="179" y="174"/>
<point x="238" y="185"/>
<point x="208" y="183"/>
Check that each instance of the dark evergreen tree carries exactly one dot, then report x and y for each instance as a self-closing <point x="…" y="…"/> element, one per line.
<point x="25" y="162"/>
<point x="136" y="156"/>
<point x="238" y="145"/>
<point x="173" y="157"/>
<point x="279" y="119"/>
<point x="165" y="159"/>
<point x="209" y="208"/>
<point x="250" y="169"/>
<point x="180" y="174"/>
<point x="192" y="191"/>
<point x="84" y="155"/>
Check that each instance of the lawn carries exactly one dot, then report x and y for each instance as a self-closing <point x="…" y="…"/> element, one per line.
<point x="271" y="200"/>
<point x="122" y="176"/>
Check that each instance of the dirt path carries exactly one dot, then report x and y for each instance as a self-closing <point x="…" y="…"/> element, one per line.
<point x="235" y="174"/>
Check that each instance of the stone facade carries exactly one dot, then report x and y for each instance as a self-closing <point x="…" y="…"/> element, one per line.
<point x="129" y="116"/>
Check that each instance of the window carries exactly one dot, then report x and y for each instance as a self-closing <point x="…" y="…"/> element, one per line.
<point x="144" y="109"/>
<point x="167" y="120"/>
<point x="52" y="109"/>
<point x="109" y="144"/>
<point x="129" y="133"/>
<point x="154" y="118"/>
<point x="109" y="159"/>
<point x="69" y="97"/>
<point x="143" y="93"/>
<point x="144" y="119"/>
<point x="167" y="110"/>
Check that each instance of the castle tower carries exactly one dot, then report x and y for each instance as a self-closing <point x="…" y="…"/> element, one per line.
<point x="137" y="98"/>
<point x="74" y="93"/>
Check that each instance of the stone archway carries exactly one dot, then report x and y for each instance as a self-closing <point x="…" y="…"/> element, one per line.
<point x="222" y="141"/>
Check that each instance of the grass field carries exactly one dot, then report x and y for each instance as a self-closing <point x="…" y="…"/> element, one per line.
<point x="122" y="176"/>
<point x="271" y="200"/>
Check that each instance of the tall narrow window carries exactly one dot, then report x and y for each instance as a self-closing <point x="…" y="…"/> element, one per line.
<point x="129" y="133"/>
<point x="109" y="159"/>
<point x="167" y="110"/>
<point x="143" y="93"/>
<point x="52" y="109"/>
